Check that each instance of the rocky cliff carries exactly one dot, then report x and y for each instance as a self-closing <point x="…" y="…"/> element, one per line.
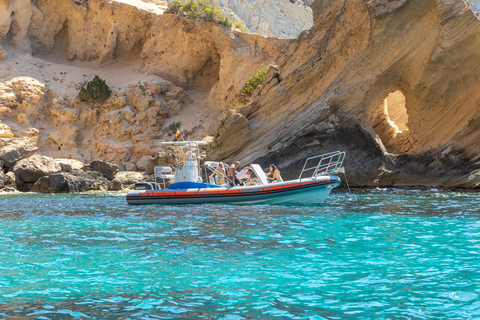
<point x="278" y="18"/>
<point x="163" y="70"/>
<point x="393" y="83"/>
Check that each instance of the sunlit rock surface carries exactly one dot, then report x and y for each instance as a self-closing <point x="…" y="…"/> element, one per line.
<point x="162" y="70"/>
<point x="393" y="83"/>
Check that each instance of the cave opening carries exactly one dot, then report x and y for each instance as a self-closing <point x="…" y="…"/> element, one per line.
<point x="396" y="111"/>
<point x="207" y="76"/>
<point x="60" y="43"/>
<point x="389" y="120"/>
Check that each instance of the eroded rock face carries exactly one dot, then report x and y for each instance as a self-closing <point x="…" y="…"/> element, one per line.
<point x="68" y="165"/>
<point x="33" y="168"/>
<point x="15" y="149"/>
<point x="108" y="170"/>
<point x="333" y="86"/>
<point x="127" y="180"/>
<point x="279" y="18"/>
<point x="203" y="67"/>
<point x="75" y="181"/>
<point x="231" y="136"/>
<point x="168" y="157"/>
<point x="200" y="55"/>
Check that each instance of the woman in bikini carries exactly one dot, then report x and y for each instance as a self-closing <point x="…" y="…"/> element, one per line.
<point x="274" y="174"/>
<point x="220" y="171"/>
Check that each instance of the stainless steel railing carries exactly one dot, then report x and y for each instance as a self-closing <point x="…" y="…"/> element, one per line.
<point x="328" y="163"/>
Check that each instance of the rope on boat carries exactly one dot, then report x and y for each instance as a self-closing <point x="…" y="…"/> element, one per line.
<point x="346" y="181"/>
<point x="342" y="170"/>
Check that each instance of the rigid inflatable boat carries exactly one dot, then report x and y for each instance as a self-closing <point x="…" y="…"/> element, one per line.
<point x="315" y="182"/>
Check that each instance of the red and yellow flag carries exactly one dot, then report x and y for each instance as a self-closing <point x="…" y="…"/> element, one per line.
<point x="177" y="134"/>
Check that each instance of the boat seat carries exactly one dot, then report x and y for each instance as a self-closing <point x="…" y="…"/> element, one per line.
<point x="259" y="173"/>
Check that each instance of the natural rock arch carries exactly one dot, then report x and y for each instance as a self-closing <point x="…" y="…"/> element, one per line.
<point x="389" y="121"/>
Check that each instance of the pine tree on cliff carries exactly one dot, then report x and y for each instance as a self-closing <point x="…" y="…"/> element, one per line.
<point x="96" y="91"/>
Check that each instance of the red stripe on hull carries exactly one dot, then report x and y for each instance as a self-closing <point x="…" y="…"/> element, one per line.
<point x="228" y="192"/>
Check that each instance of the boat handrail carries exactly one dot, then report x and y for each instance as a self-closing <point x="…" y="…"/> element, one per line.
<point x="328" y="163"/>
<point x="210" y="167"/>
<point x="164" y="174"/>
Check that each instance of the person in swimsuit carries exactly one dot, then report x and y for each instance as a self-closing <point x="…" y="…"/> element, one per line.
<point x="232" y="175"/>
<point x="220" y="171"/>
<point x="245" y="175"/>
<point x="274" y="174"/>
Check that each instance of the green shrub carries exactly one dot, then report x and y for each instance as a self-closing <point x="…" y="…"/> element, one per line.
<point x="237" y="105"/>
<point x="226" y="22"/>
<point x="172" y="128"/>
<point x="240" y="26"/>
<point x="96" y="91"/>
<point x="199" y="9"/>
<point x="254" y="82"/>
<point x="175" y="7"/>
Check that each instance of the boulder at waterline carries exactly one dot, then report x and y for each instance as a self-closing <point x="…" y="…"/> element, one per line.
<point x="68" y="165"/>
<point x="127" y="180"/>
<point x="33" y="168"/>
<point x="107" y="169"/>
<point x="15" y="149"/>
<point x="7" y="180"/>
<point x="75" y="181"/>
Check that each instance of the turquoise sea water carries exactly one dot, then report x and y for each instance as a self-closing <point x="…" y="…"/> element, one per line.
<point x="370" y="255"/>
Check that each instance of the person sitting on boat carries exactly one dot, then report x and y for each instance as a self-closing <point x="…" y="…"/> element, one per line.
<point x="232" y="174"/>
<point x="220" y="172"/>
<point x="245" y="174"/>
<point x="274" y="174"/>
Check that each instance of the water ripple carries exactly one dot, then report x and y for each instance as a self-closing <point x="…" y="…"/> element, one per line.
<point x="383" y="254"/>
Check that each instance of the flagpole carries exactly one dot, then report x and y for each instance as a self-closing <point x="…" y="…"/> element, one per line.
<point x="179" y="134"/>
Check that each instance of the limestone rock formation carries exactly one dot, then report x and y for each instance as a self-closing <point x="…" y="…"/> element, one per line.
<point x="163" y="70"/>
<point x="364" y="66"/>
<point x="80" y="181"/>
<point x="168" y="157"/>
<point x="33" y="168"/>
<point x="7" y="181"/>
<point x="68" y="165"/>
<point x="108" y="170"/>
<point x="280" y="18"/>
<point x="127" y="179"/>
<point x="15" y="149"/>
<point x="393" y="83"/>
<point x="74" y="181"/>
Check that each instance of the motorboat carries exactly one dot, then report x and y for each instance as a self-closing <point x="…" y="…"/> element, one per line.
<point x="316" y="180"/>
